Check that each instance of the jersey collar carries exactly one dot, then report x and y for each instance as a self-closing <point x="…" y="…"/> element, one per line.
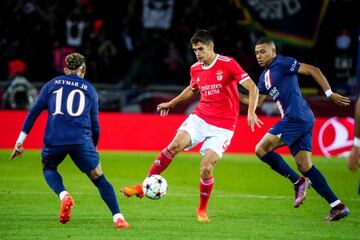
<point x="212" y="64"/>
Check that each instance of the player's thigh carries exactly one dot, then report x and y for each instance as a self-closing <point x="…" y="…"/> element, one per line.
<point x="218" y="140"/>
<point x="268" y="143"/>
<point x="181" y="140"/>
<point x="191" y="132"/>
<point x="85" y="157"/>
<point x="52" y="156"/>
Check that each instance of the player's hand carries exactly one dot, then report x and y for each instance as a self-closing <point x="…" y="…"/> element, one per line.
<point x="339" y="99"/>
<point x="17" y="151"/>
<point x="354" y="159"/>
<point x="163" y="108"/>
<point x="253" y="120"/>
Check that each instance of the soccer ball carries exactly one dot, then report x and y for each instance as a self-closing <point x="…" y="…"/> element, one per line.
<point x="155" y="186"/>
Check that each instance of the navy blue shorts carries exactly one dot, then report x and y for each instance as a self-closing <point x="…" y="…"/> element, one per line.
<point x="294" y="133"/>
<point x="84" y="156"/>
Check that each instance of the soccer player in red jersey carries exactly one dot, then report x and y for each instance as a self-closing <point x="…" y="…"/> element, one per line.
<point x="213" y="121"/>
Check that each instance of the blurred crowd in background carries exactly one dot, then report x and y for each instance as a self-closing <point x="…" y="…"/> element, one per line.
<point x="133" y="44"/>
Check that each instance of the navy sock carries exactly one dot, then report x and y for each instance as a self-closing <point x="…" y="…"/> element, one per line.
<point x="278" y="164"/>
<point x="54" y="180"/>
<point x="320" y="185"/>
<point x="107" y="193"/>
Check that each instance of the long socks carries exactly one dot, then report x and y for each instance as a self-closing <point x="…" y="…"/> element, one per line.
<point x="206" y="185"/>
<point x="278" y="164"/>
<point x="161" y="162"/>
<point x="107" y="193"/>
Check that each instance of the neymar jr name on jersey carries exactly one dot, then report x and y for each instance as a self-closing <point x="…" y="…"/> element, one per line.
<point x="71" y="83"/>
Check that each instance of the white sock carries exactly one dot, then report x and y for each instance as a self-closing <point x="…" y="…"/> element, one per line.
<point x="117" y="216"/>
<point x="62" y="194"/>
<point x="334" y="204"/>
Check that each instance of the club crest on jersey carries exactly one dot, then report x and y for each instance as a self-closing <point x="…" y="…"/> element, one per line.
<point x="219" y="75"/>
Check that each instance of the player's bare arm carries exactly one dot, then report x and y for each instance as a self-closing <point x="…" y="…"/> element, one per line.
<point x="186" y="94"/>
<point x="252" y="103"/>
<point x="307" y="69"/>
<point x="244" y="99"/>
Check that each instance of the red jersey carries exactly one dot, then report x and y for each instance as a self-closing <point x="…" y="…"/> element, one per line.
<point x="218" y="85"/>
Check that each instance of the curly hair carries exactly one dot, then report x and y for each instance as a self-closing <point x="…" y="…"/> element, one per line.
<point x="74" y="61"/>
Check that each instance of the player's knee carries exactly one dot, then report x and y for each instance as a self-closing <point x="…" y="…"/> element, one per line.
<point x="96" y="173"/>
<point x="260" y="151"/>
<point x="206" y="170"/>
<point x="175" y="147"/>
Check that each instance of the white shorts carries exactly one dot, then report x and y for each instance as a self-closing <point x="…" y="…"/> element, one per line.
<point x="214" y="138"/>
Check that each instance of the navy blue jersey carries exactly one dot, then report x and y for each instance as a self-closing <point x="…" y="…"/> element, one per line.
<point x="280" y="81"/>
<point x="72" y="105"/>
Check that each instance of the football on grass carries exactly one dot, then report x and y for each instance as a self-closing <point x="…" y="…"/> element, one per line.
<point x="155" y="187"/>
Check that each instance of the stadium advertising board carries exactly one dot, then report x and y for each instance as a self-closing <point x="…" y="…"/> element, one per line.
<point x="150" y="132"/>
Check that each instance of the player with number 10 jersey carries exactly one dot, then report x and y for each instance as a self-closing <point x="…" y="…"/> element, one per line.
<point x="72" y="105"/>
<point x="72" y="129"/>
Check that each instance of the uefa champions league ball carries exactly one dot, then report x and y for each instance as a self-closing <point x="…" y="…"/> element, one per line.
<point x="155" y="187"/>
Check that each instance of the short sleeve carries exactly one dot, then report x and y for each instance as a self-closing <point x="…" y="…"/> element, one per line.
<point x="262" y="89"/>
<point x="193" y="84"/>
<point x="289" y="65"/>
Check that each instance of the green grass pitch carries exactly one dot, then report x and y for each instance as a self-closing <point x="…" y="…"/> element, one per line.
<point x="249" y="201"/>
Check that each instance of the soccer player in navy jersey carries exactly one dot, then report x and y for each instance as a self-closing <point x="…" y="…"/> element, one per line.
<point x="72" y="128"/>
<point x="279" y="80"/>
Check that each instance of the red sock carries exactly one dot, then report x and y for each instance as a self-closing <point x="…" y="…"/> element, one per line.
<point x="161" y="162"/>
<point x="206" y="185"/>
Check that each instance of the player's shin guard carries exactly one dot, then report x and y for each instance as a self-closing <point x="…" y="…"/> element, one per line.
<point x="107" y="193"/>
<point x="278" y="164"/>
<point x="161" y="162"/>
<point x="320" y="185"/>
<point x="206" y="186"/>
<point x="54" y="180"/>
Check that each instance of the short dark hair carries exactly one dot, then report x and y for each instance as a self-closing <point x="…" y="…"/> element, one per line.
<point x="265" y="40"/>
<point x="203" y="36"/>
<point x="74" y="61"/>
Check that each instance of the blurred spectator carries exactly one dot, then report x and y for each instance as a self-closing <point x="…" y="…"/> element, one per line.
<point x="20" y="93"/>
<point x="157" y="14"/>
<point x="59" y="53"/>
<point x="343" y="62"/>
<point x="145" y="42"/>
<point x="75" y="26"/>
<point x="15" y="67"/>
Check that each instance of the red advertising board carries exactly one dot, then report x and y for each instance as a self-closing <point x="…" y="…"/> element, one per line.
<point x="150" y="132"/>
